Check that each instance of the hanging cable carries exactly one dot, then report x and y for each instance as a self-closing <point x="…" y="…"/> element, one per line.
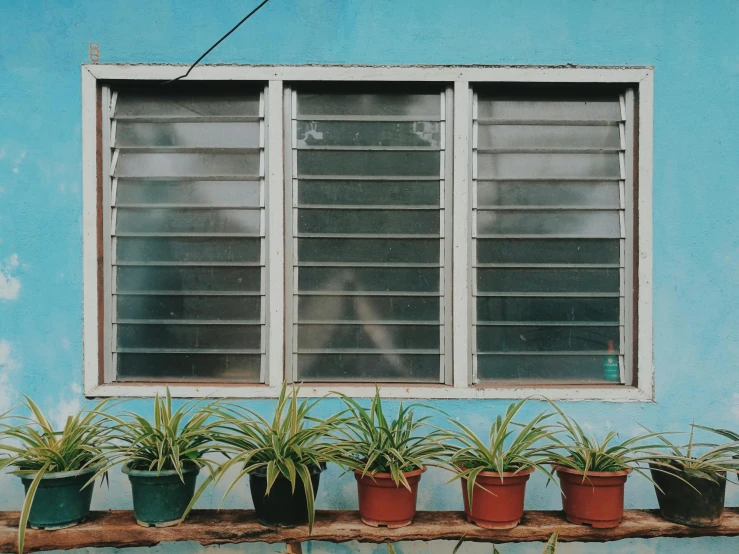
<point x="220" y="40"/>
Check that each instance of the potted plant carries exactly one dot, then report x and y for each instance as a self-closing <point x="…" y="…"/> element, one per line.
<point x="691" y="483"/>
<point x="592" y="473"/>
<point x="283" y="457"/>
<point x="55" y="466"/>
<point x="494" y="475"/>
<point x="387" y="458"/>
<point x="162" y="458"/>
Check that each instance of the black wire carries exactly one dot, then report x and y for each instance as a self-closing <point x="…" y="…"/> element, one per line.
<point x="220" y="40"/>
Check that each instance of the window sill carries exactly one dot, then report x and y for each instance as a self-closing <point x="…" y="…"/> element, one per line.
<point x="118" y="529"/>
<point x="603" y="393"/>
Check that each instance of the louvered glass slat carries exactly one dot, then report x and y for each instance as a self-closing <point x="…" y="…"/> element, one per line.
<point x="189" y="193"/>
<point x="368" y="291"/>
<point x="187" y="234"/>
<point x="548" y="213"/>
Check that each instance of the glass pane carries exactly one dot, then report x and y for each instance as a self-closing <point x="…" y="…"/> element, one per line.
<point x="496" y="308"/>
<point x="543" y="251"/>
<point x="194" y="135"/>
<point x="368" y="308"/>
<point x="594" y="108"/>
<point x="527" y="165"/>
<point x="363" y="133"/>
<point x="186" y="165"/>
<point x="368" y="221"/>
<point x="541" y="368"/>
<point x="545" y="339"/>
<point x="201" y="193"/>
<point x="362" y="193"/>
<point x="533" y="193"/>
<point x="372" y="163"/>
<point x="410" y="368"/>
<point x="601" y="224"/>
<point x="374" y="279"/>
<point x="183" y="104"/>
<point x="204" y="308"/>
<point x="548" y="280"/>
<point x="189" y="367"/>
<point x="189" y="279"/>
<point x="382" y="337"/>
<point x="422" y="105"/>
<point x="188" y="249"/>
<point x="188" y="337"/>
<point x="548" y="136"/>
<point x="369" y="250"/>
<point x="182" y="220"/>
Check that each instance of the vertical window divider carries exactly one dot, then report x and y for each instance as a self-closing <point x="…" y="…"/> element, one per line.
<point x="447" y="201"/>
<point x="108" y="104"/>
<point x="461" y="297"/>
<point x="287" y="369"/>
<point x="273" y="361"/>
<point x="629" y="208"/>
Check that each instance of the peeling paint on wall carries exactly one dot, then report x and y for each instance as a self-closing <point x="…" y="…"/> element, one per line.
<point x="10" y="286"/>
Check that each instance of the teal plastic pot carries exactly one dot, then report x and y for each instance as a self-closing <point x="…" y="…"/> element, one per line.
<point x="160" y="499"/>
<point x="60" y="500"/>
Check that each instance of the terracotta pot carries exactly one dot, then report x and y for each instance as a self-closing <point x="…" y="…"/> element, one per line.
<point x="596" y="499"/>
<point x="382" y="502"/>
<point x="496" y="503"/>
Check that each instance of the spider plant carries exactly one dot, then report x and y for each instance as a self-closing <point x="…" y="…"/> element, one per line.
<point x="371" y="443"/>
<point x="506" y="449"/>
<point x="585" y="453"/>
<point x="700" y="460"/>
<point x="292" y="445"/>
<point x="32" y="447"/>
<point x="176" y="440"/>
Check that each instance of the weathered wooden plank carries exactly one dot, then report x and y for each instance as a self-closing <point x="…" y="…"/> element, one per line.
<point x="118" y="529"/>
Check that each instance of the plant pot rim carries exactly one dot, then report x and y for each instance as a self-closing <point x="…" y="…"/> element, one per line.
<point x="669" y="468"/>
<point x="388" y="475"/>
<point x="60" y="474"/>
<point x="571" y="471"/>
<point x="519" y="473"/>
<point x="154" y="473"/>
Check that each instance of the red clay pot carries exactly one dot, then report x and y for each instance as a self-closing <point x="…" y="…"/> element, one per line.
<point x="501" y="507"/>
<point x="596" y="499"/>
<point x="382" y="502"/>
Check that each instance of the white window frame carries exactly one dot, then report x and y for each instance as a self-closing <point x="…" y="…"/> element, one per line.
<point x="462" y="79"/>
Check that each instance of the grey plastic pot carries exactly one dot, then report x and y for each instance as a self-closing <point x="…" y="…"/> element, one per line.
<point x="160" y="498"/>
<point x="60" y="500"/>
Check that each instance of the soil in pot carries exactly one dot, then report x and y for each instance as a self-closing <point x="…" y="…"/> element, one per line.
<point x="159" y="500"/>
<point x="701" y="506"/>
<point x="496" y="503"/>
<point x="596" y="499"/>
<point x="281" y="508"/>
<point x="60" y="500"/>
<point x="382" y="502"/>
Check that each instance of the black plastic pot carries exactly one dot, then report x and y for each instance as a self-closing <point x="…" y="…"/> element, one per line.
<point x="281" y="508"/>
<point x="701" y="506"/>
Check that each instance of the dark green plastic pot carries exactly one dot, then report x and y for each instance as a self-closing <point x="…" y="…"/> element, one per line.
<point x="60" y="500"/>
<point x="160" y="499"/>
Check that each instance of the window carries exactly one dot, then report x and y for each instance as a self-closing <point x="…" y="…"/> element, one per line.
<point x="447" y="232"/>
<point x="186" y="227"/>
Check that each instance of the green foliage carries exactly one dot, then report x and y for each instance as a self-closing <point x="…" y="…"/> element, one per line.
<point x="585" y="453"/>
<point x="33" y="447"/>
<point x="369" y="442"/>
<point x="506" y="450"/>
<point x="700" y="460"/>
<point x="290" y="445"/>
<point x="175" y="440"/>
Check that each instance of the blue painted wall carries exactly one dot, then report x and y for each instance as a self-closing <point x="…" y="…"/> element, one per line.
<point x="692" y="44"/>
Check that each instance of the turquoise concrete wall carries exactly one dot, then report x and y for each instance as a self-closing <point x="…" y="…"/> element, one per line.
<point x="692" y="44"/>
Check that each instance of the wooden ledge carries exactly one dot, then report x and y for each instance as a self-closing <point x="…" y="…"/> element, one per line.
<point x="118" y="529"/>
